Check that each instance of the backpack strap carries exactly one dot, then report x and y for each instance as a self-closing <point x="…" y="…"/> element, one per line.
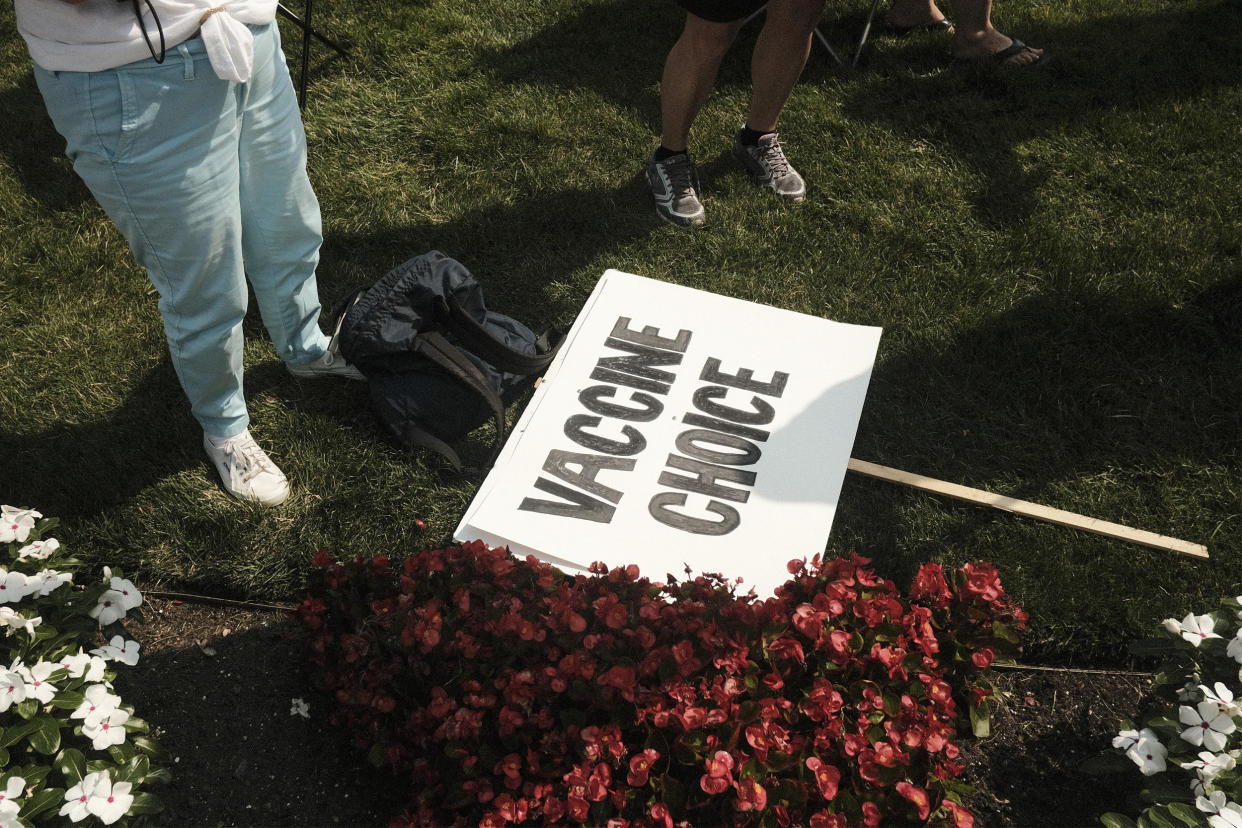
<point x="479" y="340"/>
<point x="439" y="350"/>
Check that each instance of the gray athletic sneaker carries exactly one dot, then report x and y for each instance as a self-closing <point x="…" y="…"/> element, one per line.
<point x="768" y="165"/>
<point x="673" y="182"/>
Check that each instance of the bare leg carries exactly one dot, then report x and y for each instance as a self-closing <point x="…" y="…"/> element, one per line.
<point x="976" y="38"/>
<point x="689" y="73"/>
<point x="780" y="53"/>
<point x="906" y="13"/>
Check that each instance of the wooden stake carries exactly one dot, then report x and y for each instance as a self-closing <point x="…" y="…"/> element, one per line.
<point x="1024" y="507"/>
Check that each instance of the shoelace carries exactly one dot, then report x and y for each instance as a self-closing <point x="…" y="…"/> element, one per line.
<point x="680" y="180"/>
<point x="253" y="461"/>
<point x="773" y="157"/>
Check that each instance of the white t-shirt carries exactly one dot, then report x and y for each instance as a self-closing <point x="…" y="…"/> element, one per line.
<point x="104" y="34"/>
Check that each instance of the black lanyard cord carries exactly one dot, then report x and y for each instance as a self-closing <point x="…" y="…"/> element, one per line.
<point x="146" y="36"/>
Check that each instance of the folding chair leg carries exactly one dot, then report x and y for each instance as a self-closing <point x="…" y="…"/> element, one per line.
<point x="862" y="38"/>
<point x="823" y="41"/>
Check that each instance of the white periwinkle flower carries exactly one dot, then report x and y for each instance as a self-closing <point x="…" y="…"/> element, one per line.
<point x="14" y="788"/>
<point x="37" y="686"/>
<point x="1234" y="650"/>
<point x="96" y="670"/>
<point x="40" y="549"/>
<point x="1194" y="628"/>
<point x="77" y="797"/>
<point x="299" y="708"/>
<point x="1230" y="816"/>
<point x="1223" y="697"/>
<point x="119" y="649"/>
<point x="76" y="664"/>
<point x="106" y="730"/>
<point x="12" y="688"/>
<point x="12" y="587"/>
<point x="1126" y="739"/>
<point x="1213" y="803"/>
<point x="1218" y="764"/>
<point x="110" y="801"/>
<point x="15" y="524"/>
<point x="47" y="581"/>
<point x="1208" y="726"/>
<point x="14" y="620"/>
<point x="1148" y="753"/>
<point x="130" y="596"/>
<point x="111" y="607"/>
<point x="1210" y="765"/>
<point x="96" y="704"/>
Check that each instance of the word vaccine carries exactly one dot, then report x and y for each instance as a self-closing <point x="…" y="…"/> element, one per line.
<point x="710" y="467"/>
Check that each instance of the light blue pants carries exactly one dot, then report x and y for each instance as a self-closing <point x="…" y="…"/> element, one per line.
<point x="207" y="181"/>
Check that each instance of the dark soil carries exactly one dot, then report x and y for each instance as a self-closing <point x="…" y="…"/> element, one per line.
<point x="217" y="685"/>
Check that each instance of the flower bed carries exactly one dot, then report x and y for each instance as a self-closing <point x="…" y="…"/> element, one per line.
<point x="69" y="747"/>
<point x="1190" y="745"/>
<point x="506" y="691"/>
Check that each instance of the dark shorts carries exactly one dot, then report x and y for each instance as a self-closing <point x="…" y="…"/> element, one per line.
<point x="722" y="11"/>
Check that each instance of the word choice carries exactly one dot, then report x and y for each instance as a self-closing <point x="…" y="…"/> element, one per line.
<point x="702" y="478"/>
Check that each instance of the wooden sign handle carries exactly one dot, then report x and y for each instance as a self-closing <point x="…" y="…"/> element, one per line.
<point x="1024" y="507"/>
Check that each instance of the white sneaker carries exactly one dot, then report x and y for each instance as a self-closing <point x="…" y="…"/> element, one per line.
<point x="246" y="470"/>
<point x="329" y="364"/>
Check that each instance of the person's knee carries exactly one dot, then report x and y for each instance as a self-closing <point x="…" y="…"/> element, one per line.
<point x="795" y="15"/>
<point x="707" y="41"/>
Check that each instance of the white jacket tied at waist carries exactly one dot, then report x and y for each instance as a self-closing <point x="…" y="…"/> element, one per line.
<point x="104" y="34"/>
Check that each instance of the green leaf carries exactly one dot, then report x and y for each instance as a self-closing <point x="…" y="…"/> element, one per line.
<point x="980" y="720"/>
<point x="122" y="753"/>
<point x="1106" y="763"/>
<point x="1185" y="813"/>
<point x="28" y="708"/>
<point x="1160" y="818"/>
<point x="1161" y="789"/>
<point x="72" y="765"/>
<point x="136" y="725"/>
<point x="1006" y="633"/>
<point x="159" y="775"/>
<point x="1112" y="820"/>
<point x="674" y="794"/>
<point x="145" y="803"/>
<point x="135" y="772"/>
<point x="35" y="775"/>
<point x="46" y="738"/>
<point x="41" y="802"/>
<point x="148" y="746"/>
<point x="68" y="699"/>
<point x="13" y="735"/>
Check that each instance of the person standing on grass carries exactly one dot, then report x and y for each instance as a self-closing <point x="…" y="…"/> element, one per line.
<point x="974" y="36"/>
<point x="181" y="119"/>
<point x="689" y="74"/>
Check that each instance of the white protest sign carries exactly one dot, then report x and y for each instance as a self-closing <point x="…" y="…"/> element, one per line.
<point x="678" y="428"/>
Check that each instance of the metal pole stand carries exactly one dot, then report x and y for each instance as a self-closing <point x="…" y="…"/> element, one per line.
<point x="304" y="23"/>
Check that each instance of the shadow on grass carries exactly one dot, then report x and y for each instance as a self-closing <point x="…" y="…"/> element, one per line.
<point x="1095" y="67"/>
<point x="152" y="435"/>
<point x="80" y="470"/>
<point x="601" y="49"/>
<point x="975" y="111"/>
<point x="517" y="251"/>
<point x="1061" y="387"/>
<point x="35" y="151"/>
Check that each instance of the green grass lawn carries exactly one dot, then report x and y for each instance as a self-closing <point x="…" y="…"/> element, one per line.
<point x="1053" y="255"/>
